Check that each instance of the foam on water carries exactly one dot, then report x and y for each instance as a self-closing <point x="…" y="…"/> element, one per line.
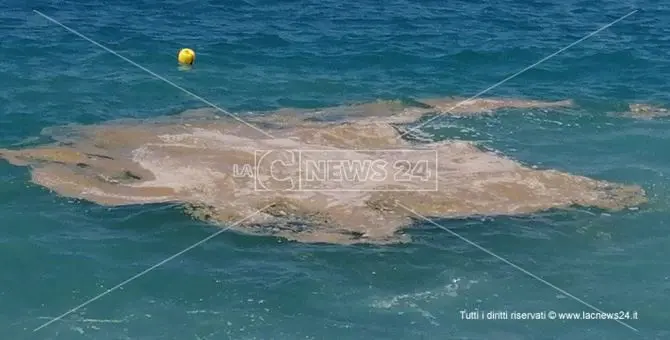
<point x="196" y="159"/>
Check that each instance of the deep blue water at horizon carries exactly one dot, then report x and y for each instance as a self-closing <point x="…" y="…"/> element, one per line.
<point x="258" y="55"/>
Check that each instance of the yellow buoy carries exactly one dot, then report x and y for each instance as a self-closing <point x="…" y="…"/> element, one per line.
<point x="186" y="56"/>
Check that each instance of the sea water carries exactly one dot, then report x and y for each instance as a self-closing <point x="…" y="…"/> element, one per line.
<point x="264" y="55"/>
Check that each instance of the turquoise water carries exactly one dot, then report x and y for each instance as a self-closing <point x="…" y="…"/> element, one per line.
<point x="259" y="55"/>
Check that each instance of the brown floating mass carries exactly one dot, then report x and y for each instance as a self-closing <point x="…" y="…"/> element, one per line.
<point x="338" y="175"/>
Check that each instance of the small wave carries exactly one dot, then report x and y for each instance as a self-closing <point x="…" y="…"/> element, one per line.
<point x="412" y="301"/>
